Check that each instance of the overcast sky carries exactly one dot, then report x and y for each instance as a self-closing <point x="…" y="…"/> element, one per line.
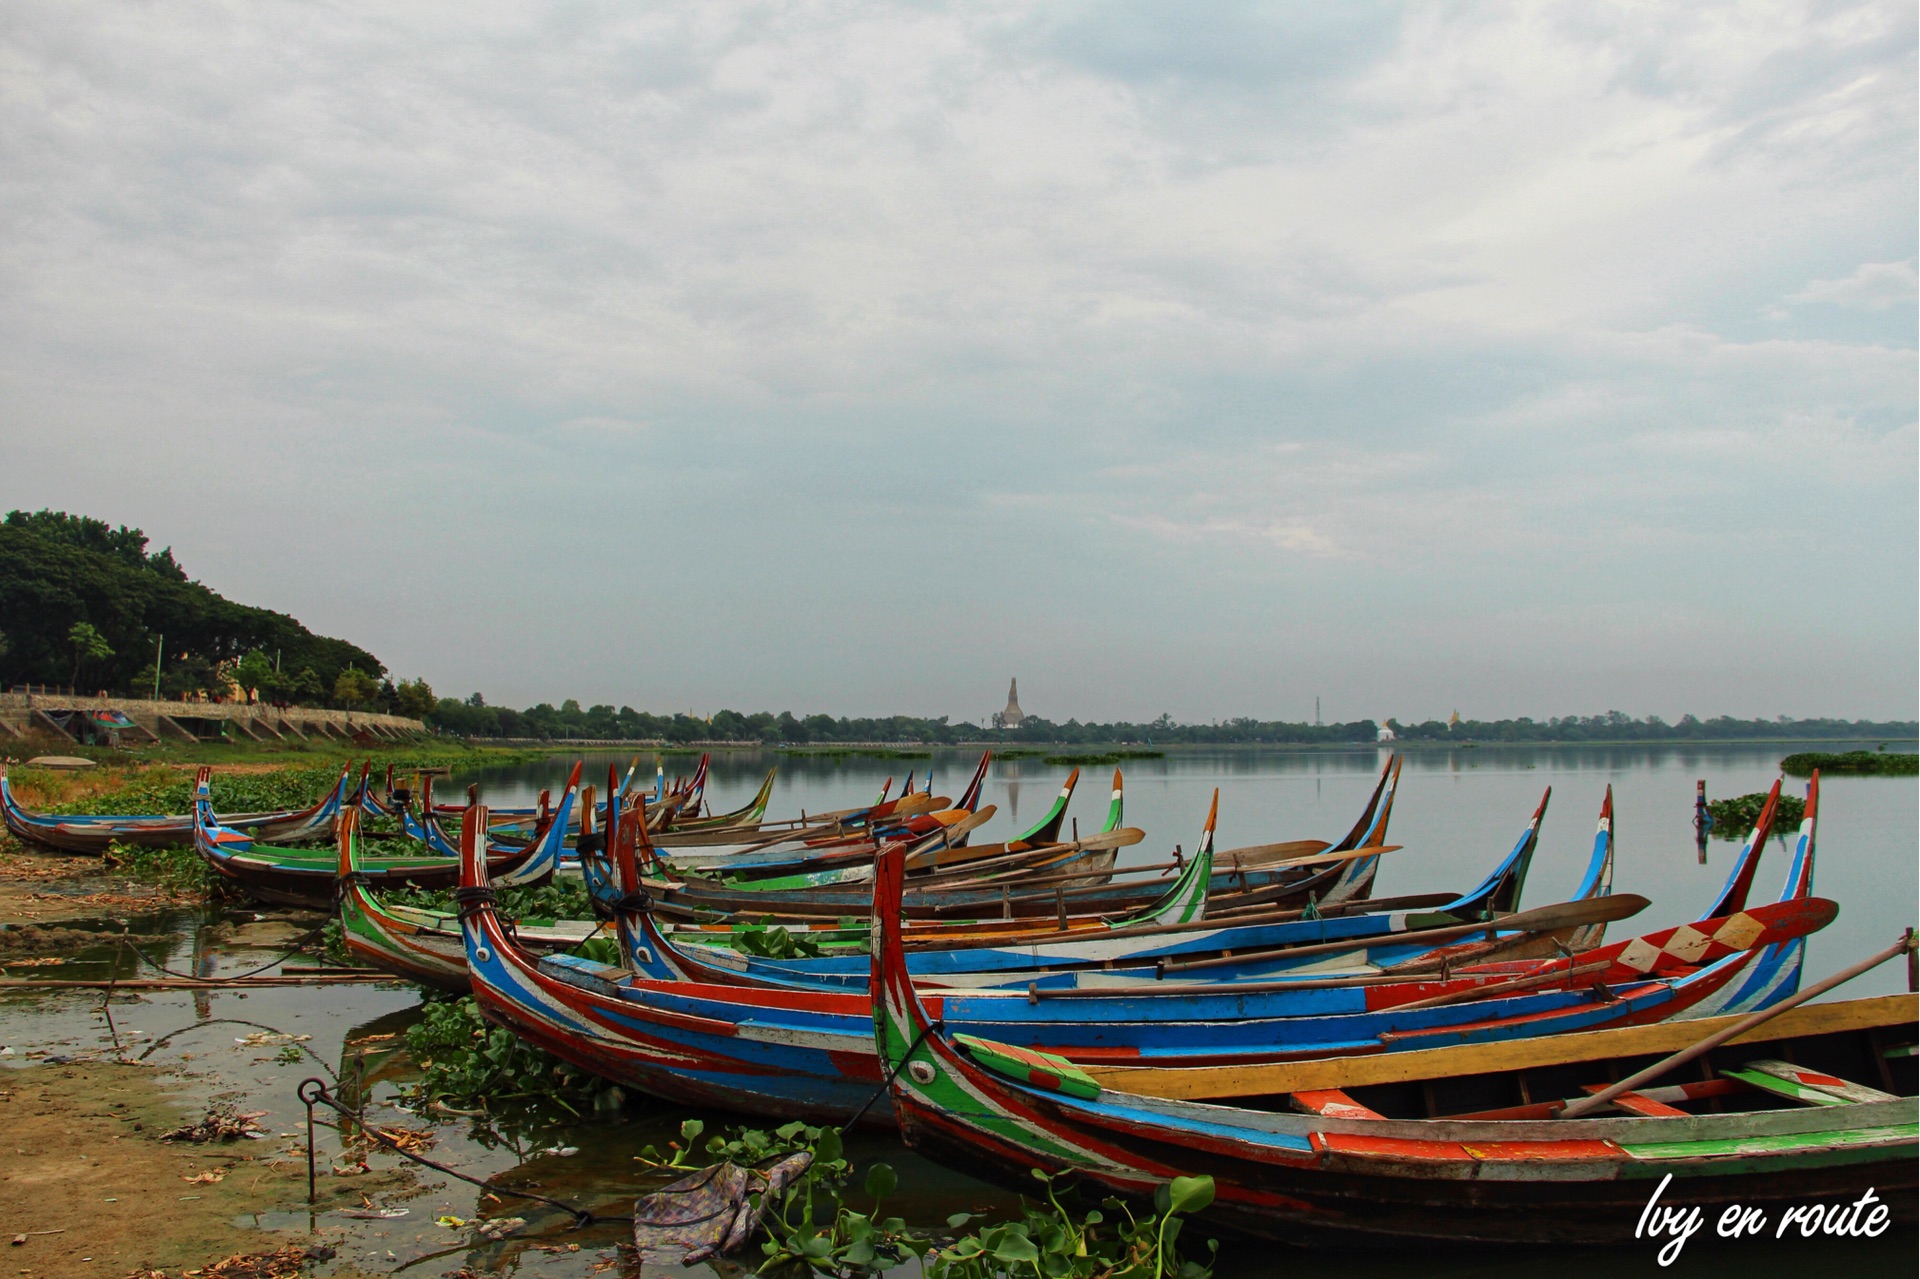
<point x="1173" y="357"/>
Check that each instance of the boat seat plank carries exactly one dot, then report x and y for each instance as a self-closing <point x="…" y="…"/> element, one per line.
<point x="1333" y="1103"/>
<point x="1803" y="1085"/>
<point x="601" y="979"/>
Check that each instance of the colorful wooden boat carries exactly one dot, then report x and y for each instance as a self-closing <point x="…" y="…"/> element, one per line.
<point x="425" y="946"/>
<point x="92" y="833"/>
<point x="1254" y="944"/>
<point x="307" y="877"/>
<point x="1253" y="877"/>
<point x="1445" y="1144"/>
<point x="784" y="1053"/>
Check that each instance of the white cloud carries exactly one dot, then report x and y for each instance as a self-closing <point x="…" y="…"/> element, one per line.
<point x="1875" y="286"/>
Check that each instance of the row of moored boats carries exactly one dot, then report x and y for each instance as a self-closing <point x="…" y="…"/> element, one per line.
<point x="1347" y="1066"/>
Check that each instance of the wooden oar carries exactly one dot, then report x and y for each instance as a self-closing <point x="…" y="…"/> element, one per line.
<point x="904" y="806"/>
<point x="1587" y="1105"/>
<point x="974" y="873"/>
<point x="1253" y="854"/>
<point x="959" y="830"/>
<point x="1542" y="919"/>
<point x="1416" y="901"/>
<point x="1318" y="859"/>
<point x="1026" y="882"/>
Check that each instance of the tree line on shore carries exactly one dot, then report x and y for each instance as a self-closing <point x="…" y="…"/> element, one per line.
<point x="85" y="604"/>
<point x="473" y="717"/>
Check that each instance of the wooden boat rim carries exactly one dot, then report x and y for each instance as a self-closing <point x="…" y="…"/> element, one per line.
<point x="1200" y="1083"/>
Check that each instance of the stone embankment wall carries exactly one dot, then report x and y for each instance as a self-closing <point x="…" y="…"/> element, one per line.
<point x="21" y="713"/>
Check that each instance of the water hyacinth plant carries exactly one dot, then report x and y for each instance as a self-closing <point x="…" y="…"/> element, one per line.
<point x="814" y="1230"/>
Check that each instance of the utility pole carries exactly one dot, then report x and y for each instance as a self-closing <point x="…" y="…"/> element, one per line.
<point x="1316" y="712"/>
<point x="159" y="649"/>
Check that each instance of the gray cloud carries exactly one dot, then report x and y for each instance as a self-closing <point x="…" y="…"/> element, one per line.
<point x="1191" y="359"/>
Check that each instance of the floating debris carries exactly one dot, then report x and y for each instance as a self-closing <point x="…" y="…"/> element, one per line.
<point x="714" y="1211"/>
<point x="289" y="1262"/>
<point x="222" y="1123"/>
<point x="500" y="1227"/>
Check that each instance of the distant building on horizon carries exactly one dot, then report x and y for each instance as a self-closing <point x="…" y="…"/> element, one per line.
<point x="1013" y="716"/>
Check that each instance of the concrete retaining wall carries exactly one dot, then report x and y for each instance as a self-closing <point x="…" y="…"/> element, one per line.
<point x="19" y="711"/>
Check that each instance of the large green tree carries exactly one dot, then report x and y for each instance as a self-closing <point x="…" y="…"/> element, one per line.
<point x="59" y="570"/>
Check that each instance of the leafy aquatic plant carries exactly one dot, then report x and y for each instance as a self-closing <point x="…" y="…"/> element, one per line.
<point x="558" y="898"/>
<point x="180" y="871"/>
<point x="772" y="942"/>
<point x="814" y="1230"/>
<point x="1880" y="763"/>
<point x="1734" y="818"/>
<point x="1103" y="757"/>
<point x="465" y="1062"/>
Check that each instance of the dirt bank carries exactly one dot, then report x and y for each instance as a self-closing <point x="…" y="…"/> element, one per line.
<point x="40" y="888"/>
<point x="98" y="1196"/>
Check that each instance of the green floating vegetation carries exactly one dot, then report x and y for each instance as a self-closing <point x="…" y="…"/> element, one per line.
<point x="466" y="1063"/>
<point x="1104" y="757"/>
<point x="558" y="898"/>
<point x="1734" y="818"/>
<point x="856" y="752"/>
<point x="1880" y="763"/>
<point x="812" y="1230"/>
<point x="181" y="871"/>
<point x="772" y="942"/>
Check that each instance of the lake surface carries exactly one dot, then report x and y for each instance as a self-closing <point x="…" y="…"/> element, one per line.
<point x="1457" y="813"/>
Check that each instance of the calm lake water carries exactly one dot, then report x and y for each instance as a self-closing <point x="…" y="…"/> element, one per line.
<point x="1457" y="812"/>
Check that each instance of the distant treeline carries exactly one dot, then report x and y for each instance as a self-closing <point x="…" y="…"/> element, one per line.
<point x="474" y="718"/>
<point x="85" y="604"/>
<point x="1617" y="727"/>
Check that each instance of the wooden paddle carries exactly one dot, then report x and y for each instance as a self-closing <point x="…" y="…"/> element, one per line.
<point x="1256" y="854"/>
<point x="956" y="827"/>
<point x="1321" y="859"/>
<point x="1228" y="912"/>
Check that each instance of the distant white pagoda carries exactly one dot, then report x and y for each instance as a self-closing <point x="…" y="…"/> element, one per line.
<point x="1013" y="716"/>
